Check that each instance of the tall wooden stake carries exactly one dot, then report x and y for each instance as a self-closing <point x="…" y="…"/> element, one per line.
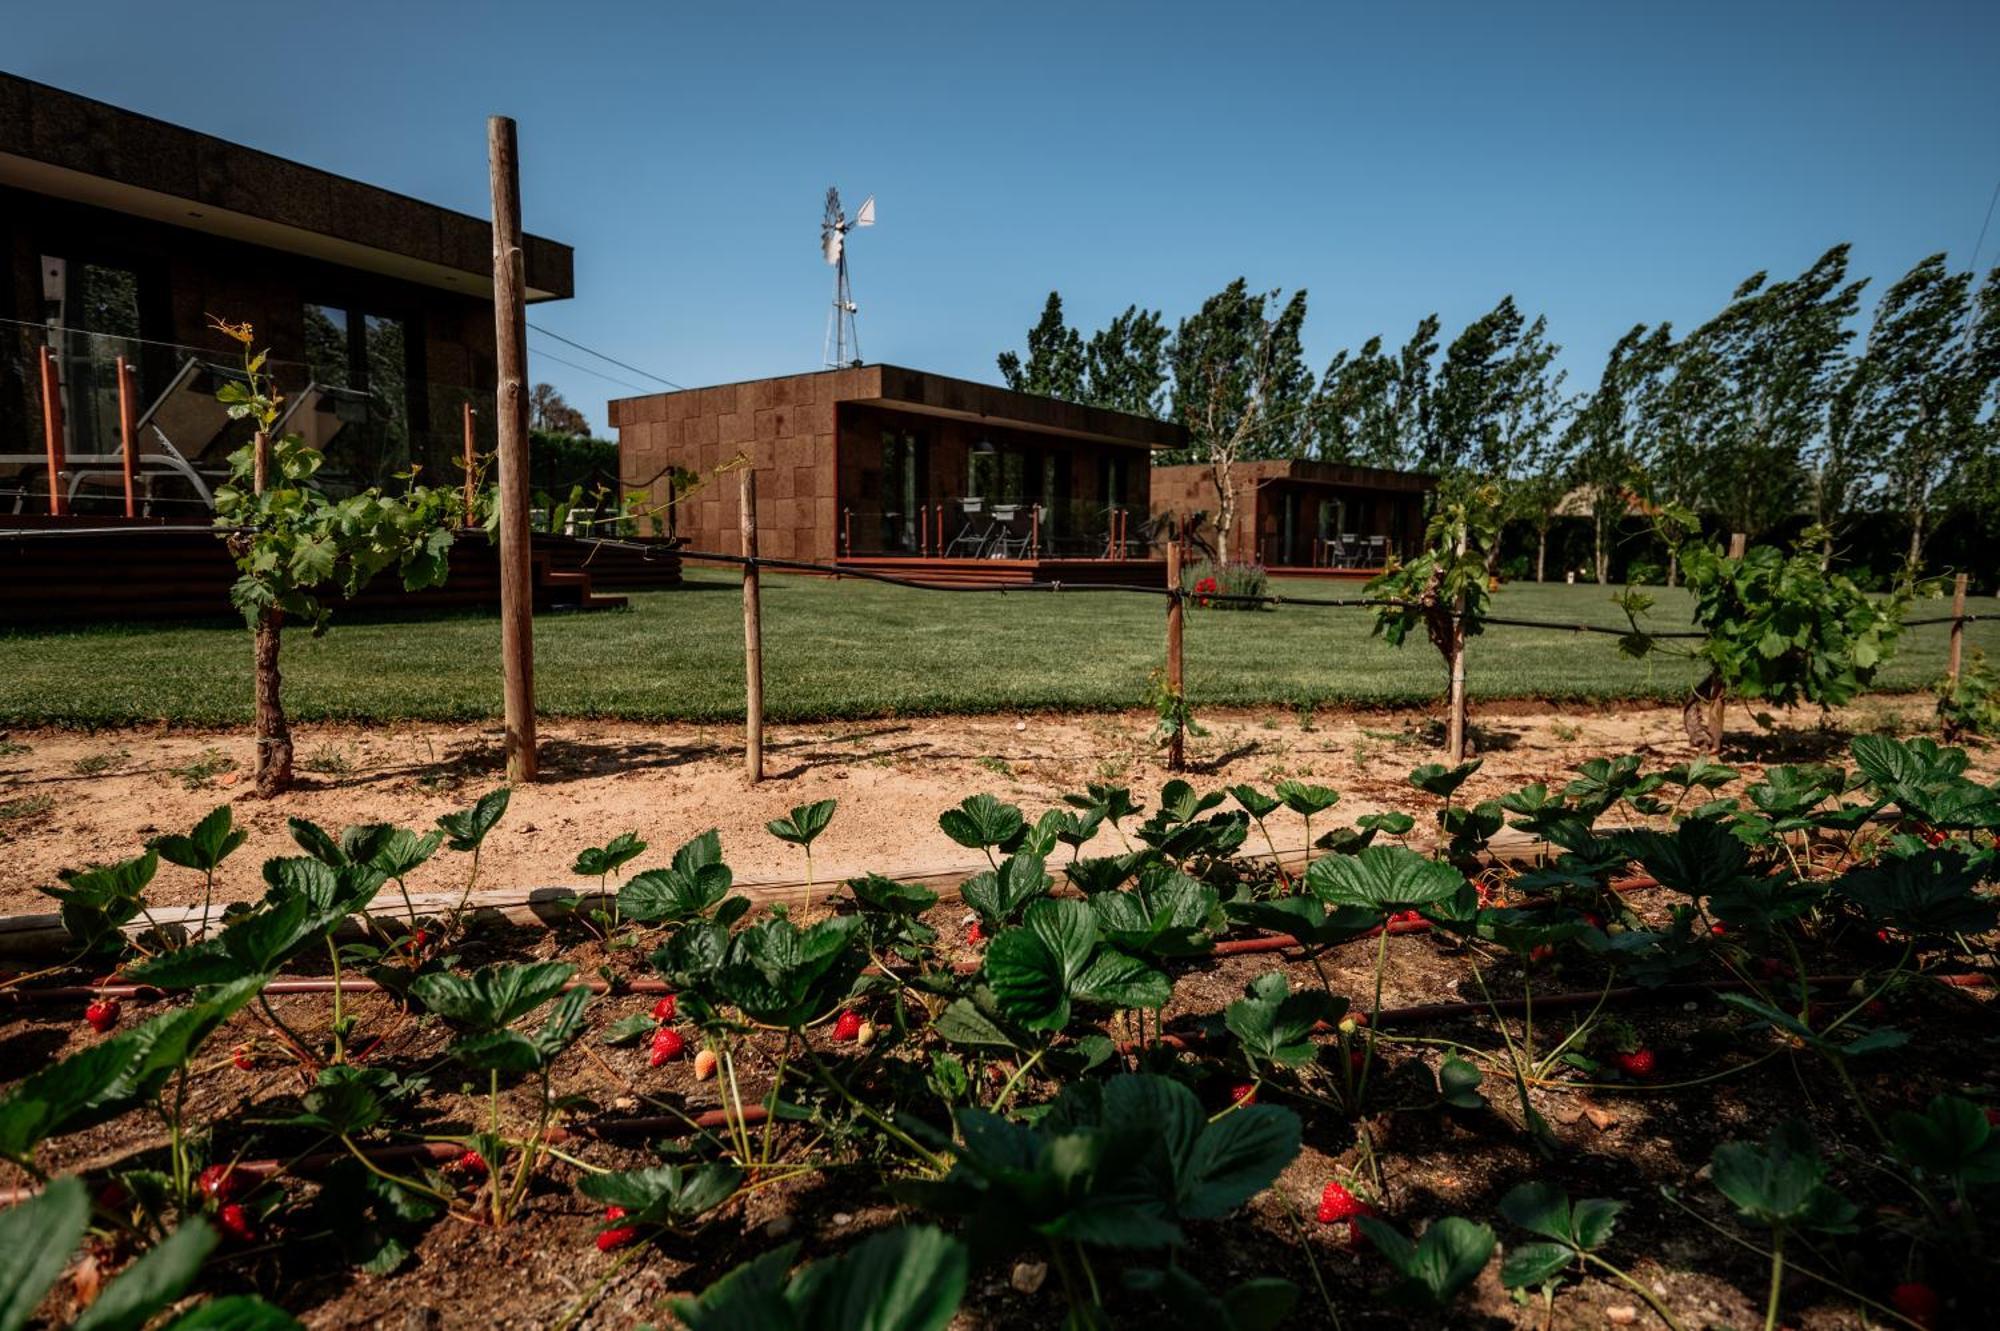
<point x="1454" y="726"/>
<point x="471" y="472"/>
<point x="753" y="635"/>
<point x="510" y="327"/>
<point x="1176" y="746"/>
<point x="52" y="433"/>
<point x="1957" y="628"/>
<point x="273" y="770"/>
<point x="127" y="442"/>
<point x="1737" y="542"/>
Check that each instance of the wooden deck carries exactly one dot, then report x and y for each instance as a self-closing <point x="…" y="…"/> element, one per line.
<point x="1321" y="573"/>
<point x="114" y="569"/>
<point x="1012" y="572"/>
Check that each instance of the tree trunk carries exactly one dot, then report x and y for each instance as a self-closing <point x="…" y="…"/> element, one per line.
<point x="1916" y="540"/>
<point x="1600" y="558"/>
<point x="1673" y="569"/>
<point x="1702" y="716"/>
<point x="274" y="737"/>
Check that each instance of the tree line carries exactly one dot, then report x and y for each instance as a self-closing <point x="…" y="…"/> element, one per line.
<point x="1780" y="409"/>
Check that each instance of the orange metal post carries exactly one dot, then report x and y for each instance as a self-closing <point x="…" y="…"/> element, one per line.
<point x="127" y="444"/>
<point x="52" y="433"/>
<point x="1035" y="532"/>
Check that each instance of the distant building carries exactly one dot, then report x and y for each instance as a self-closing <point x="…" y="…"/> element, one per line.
<point x="1330" y="518"/>
<point x="885" y="466"/>
<point x="124" y="234"/>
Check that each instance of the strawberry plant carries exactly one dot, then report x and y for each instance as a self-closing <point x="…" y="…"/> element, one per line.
<point x="1571" y="1236"/>
<point x="1782" y="1186"/>
<point x="909" y="1279"/>
<point x="801" y="828"/>
<point x="1433" y="1270"/>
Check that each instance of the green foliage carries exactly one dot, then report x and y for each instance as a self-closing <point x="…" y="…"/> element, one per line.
<point x="1435" y="1269"/>
<point x="211" y="842"/>
<point x="1274" y="1025"/>
<point x="696" y="883"/>
<point x="293" y="543"/>
<point x="1780" y="629"/>
<point x="466" y="829"/>
<point x="804" y="824"/>
<point x="908" y="1279"/>
<point x="667" y="1195"/>
<point x="1952" y="1139"/>
<point x="1056" y="958"/>
<point x="1386" y="879"/>
<point x="1545" y="1209"/>
<point x="1781" y="1184"/>
<point x="1445" y="588"/>
<point x="998" y="896"/>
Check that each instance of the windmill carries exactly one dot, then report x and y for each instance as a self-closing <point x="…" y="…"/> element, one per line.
<point x="843" y="345"/>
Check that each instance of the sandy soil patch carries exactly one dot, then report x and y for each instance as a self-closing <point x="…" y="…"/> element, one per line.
<point x="67" y="799"/>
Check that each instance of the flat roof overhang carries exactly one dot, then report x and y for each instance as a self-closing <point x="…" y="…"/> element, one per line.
<point x="1001" y="422"/>
<point x="196" y="215"/>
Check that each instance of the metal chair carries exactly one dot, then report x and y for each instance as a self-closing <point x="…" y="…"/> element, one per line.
<point x="971" y="539"/>
<point x="1378" y="551"/>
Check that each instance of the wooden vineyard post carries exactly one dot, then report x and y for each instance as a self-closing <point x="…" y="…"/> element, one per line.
<point x="753" y="635"/>
<point x="127" y="441"/>
<point x="1454" y="726"/>
<point x="1957" y="658"/>
<point x="471" y="472"/>
<point x="517" y="583"/>
<point x="1737" y="542"/>
<point x="52" y="432"/>
<point x="1176" y="744"/>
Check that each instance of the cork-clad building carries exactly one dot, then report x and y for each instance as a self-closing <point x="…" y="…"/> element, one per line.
<point x="124" y="235"/>
<point x="881" y="462"/>
<point x="1330" y="517"/>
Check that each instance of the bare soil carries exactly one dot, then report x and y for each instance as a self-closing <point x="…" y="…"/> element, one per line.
<point x="68" y="799"/>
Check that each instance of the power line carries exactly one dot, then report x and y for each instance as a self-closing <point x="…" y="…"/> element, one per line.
<point x="613" y="360"/>
<point x="609" y="378"/>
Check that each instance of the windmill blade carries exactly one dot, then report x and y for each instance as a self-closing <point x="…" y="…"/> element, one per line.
<point x="866" y="217"/>
<point x="832" y="206"/>
<point x="831" y="240"/>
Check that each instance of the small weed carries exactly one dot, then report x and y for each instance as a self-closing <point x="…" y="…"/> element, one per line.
<point x="95" y="764"/>
<point x="1404" y="738"/>
<point x="1364" y="750"/>
<point x="13" y="748"/>
<point x="1114" y="768"/>
<point x="199" y="773"/>
<point x="329" y="760"/>
<point x="1564" y="731"/>
<point x="1303" y="714"/>
<point x="996" y="764"/>
<point x="22" y="810"/>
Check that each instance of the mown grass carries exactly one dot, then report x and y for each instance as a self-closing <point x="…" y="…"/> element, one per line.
<point x="848" y="649"/>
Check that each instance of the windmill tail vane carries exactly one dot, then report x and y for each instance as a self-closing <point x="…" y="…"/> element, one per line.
<point x="842" y="346"/>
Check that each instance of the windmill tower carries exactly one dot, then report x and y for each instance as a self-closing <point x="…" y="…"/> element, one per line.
<point x="843" y="345"/>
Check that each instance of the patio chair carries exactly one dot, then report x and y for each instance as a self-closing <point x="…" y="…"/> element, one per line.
<point x="971" y="539"/>
<point x="1378" y="551"/>
<point x="1003" y="541"/>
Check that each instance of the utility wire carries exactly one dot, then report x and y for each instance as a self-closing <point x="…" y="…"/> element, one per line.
<point x="613" y="360"/>
<point x="608" y="378"/>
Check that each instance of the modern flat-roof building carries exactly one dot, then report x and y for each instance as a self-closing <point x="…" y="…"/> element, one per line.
<point x="123" y="235"/>
<point x="887" y="467"/>
<point x="1301" y="517"/>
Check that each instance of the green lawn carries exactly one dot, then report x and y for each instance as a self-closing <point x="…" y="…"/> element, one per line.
<point x="846" y="649"/>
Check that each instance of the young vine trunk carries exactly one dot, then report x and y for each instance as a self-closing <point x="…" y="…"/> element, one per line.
<point x="274" y="737"/>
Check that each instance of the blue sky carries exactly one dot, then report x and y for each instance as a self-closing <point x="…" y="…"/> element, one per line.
<point x="1606" y="163"/>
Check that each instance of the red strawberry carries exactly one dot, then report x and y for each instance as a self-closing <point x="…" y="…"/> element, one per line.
<point x="847" y="1026"/>
<point x="243" y="1058"/>
<point x="1640" y="1063"/>
<point x="1718" y="929"/>
<point x="102" y="1014"/>
<point x="1243" y="1093"/>
<point x="1338" y="1206"/>
<point x="1875" y="1009"/>
<point x="1593" y="919"/>
<point x="1992" y="1117"/>
<point x="617" y="1236"/>
<point x="235" y="1224"/>
<point x="1770" y="968"/>
<point x="667" y="1045"/>
<point x="1540" y="952"/>
<point x="1356" y="1060"/>
<point x="665" y="1009"/>
<point x="1916" y="1301"/>
<point x="222" y="1182"/>
<point x="975" y="935"/>
<point x="469" y="1162"/>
